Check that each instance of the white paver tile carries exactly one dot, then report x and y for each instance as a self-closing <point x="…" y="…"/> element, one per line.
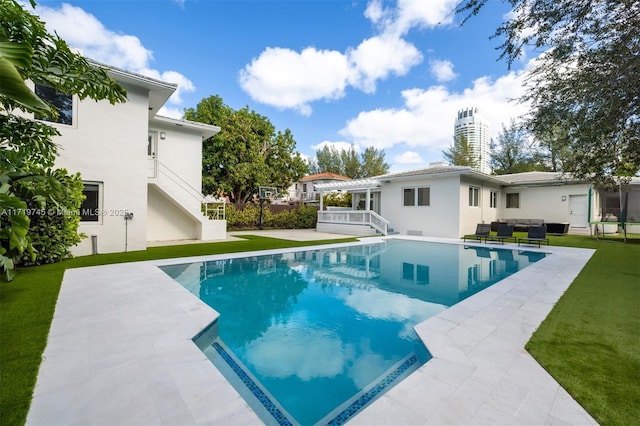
<point x="120" y="353"/>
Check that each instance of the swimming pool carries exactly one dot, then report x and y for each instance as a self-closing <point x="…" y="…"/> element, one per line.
<point x="312" y="337"/>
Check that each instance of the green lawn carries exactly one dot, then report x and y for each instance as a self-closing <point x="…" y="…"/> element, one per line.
<point x="590" y="342"/>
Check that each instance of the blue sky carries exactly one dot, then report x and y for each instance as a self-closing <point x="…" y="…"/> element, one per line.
<point x="390" y="74"/>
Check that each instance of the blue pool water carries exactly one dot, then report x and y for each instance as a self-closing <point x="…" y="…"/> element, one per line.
<point x="312" y="337"/>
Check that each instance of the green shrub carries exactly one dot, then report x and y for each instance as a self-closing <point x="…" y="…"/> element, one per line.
<point x="305" y="217"/>
<point x="53" y="205"/>
<point x="249" y="217"/>
<point x="337" y="199"/>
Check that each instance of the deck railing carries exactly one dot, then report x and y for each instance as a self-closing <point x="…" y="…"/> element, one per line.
<point x="355" y="217"/>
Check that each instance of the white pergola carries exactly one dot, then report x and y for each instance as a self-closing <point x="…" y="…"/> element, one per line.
<point x="349" y="185"/>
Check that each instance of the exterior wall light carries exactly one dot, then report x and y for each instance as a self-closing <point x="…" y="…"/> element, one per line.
<point x="163" y="135"/>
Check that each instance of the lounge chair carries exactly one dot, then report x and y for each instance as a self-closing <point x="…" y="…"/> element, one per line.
<point x="482" y="230"/>
<point x="536" y="235"/>
<point x="505" y="232"/>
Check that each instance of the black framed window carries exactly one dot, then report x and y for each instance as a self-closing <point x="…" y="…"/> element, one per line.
<point x="424" y="197"/>
<point x="90" y="207"/>
<point x="63" y="103"/>
<point x="409" y="195"/>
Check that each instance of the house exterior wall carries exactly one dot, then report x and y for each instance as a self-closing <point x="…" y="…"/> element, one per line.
<point x="107" y="145"/>
<point x="471" y="215"/>
<point x="440" y="219"/>
<point x="543" y="202"/>
<point x="180" y="161"/>
<point x="166" y="221"/>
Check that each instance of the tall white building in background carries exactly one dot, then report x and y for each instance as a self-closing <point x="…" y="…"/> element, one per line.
<point x="471" y="124"/>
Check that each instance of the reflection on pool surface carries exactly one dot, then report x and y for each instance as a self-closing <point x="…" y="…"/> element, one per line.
<point x="311" y="337"/>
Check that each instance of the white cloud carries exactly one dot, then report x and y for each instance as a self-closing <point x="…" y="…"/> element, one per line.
<point x="419" y="123"/>
<point x="285" y="78"/>
<point x="420" y="13"/>
<point x="442" y="70"/>
<point x="408" y="157"/>
<point x="86" y="33"/>
<point x="377" y="57"/>
<point x="283" y="351"/>
<point x="339" y="146"/>
<point x="392" y="307"/>
<point x="288" y="79"/>
<point x="374" y="12"/>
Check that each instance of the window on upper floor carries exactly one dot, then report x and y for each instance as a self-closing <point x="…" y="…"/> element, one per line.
<point x="416" y="196"/>
<point x="62" y="102"/>
<point x="474" y="196"/>
<point x="513" y="200"/>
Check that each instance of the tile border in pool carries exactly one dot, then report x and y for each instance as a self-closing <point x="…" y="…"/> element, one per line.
<point x="120" y="351"/>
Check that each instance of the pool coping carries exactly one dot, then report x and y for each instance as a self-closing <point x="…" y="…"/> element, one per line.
<point x="120" y="351"/>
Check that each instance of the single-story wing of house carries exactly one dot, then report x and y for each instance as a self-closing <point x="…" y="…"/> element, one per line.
<point x="449" y="201"/>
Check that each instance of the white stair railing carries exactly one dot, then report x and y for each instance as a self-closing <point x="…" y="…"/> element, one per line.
<point x="185" y="194"/>
<point x="355" y="217"/>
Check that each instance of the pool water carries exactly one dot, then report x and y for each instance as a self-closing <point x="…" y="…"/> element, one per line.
<point x="312" y="337"/>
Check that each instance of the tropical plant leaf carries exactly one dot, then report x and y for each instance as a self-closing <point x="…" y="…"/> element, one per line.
<point x="12" y="87"/>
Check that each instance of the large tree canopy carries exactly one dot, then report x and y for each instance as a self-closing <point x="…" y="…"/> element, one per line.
<point x="585" y="82"/>
<point x="247" y="152"/>
<point x="460" y="152"/>
<point x="513" y="152"/>
<point x="348" y="162"/>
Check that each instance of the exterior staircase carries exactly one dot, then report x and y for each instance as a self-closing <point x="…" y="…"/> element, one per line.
<point x="191" y="201"/>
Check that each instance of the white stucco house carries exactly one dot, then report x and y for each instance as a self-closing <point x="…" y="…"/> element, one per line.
<point x="449" y="201"/>
<point x="142" y="172"/>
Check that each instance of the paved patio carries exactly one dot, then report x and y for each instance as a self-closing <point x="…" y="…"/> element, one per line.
<point x="120" y="352"/>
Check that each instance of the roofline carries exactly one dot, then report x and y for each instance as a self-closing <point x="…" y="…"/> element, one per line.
<point x="133" y="77"/>
<point x="422" y="173"/>
<point x="207" y="130"/>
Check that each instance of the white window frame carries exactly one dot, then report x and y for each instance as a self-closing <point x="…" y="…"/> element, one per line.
<point x="493" y="199"/>
<point x="416" y="196"/>
<point x="474" y="196"/>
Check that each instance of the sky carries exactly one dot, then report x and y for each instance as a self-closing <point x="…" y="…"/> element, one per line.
<point x="391" y="74"/>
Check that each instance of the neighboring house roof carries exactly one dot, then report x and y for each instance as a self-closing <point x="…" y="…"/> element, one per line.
<point x="325" y="176"/>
